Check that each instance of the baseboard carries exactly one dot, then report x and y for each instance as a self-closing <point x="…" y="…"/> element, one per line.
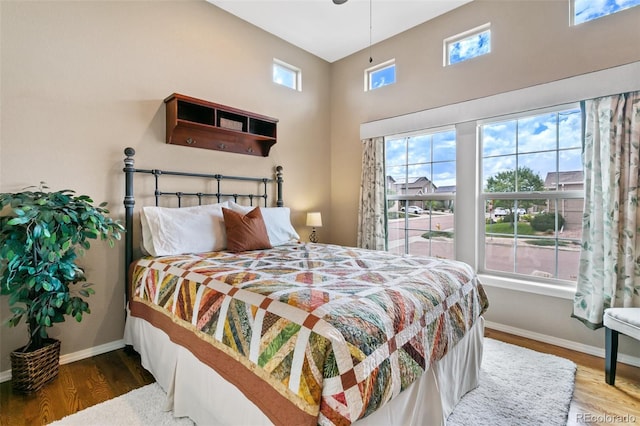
<point x="77" y="356"/>
<point x="568" y="344"/>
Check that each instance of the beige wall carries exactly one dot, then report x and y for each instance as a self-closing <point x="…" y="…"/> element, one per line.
<point x="83" y="80"/>
<point x="532" y="44"/>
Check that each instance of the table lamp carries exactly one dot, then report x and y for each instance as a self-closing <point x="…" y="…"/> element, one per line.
<point x="314" y="219"/>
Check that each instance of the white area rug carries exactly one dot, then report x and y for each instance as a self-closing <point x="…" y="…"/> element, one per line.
<point x="517" y="387"/>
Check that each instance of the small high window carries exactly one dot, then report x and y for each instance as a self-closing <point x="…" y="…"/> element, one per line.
<point x="467" y="45"/>
<point x="380" y="75"/>
<point x="588" y="10"/>
<point x="287" y="75"/>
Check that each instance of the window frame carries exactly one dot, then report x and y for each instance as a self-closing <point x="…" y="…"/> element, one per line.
<point x="484" y="197"/>
<point x="572" y="13"/>
<point x="429" y="196"/>
<point x="368" y="73"/>
<point x="446" y="57"/>
<point x="297" y="72"/>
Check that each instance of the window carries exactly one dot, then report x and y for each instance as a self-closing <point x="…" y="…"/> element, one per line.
<point x="420" y="172"/>
<point x="561" y="193"/>
<point x="467" y="45"/>
<point x="588" y="10"/>
<point x="380" y="75"/>
<point x="287" y="75"/>
<point x="532" y="194"/>
<point x="529" y="185"/>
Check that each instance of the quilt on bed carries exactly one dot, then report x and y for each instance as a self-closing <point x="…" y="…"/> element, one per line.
<point x="311" y="333"/>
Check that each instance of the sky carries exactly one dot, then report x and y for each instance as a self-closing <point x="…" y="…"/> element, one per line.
<point x="284" y="76"/>
<point x="545" y="143"/>
<point x="586" y="10"/>
<point x="470" y="47"/>
<point x="383" y="77"/>
<point x="532" y="142"/>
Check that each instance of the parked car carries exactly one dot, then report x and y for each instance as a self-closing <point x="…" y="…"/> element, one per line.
<point x="499" y="211"/>
<point x="413" y="209"/>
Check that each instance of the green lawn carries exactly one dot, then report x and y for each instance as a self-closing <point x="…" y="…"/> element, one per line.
<point x="506" y="230"/>
<point x="399" y="215"/>
<point x="548" y="242"/>
<point x="434" y="234"/>
<point x="495" y="228"/>
<point x="524" y="228"/>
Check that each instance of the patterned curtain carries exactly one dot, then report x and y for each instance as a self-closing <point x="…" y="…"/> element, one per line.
<point x="371" y="213"/>
<point x="610" y="259"/>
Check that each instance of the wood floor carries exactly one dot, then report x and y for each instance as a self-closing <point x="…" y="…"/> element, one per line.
<point x="93" y="380"/>
<point x="79" y="385"/>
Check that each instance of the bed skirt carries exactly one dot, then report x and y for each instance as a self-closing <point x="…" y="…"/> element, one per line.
<point x="197" y="391"/>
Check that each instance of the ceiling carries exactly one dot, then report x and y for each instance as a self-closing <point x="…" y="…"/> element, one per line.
<point x="333" y="31"/>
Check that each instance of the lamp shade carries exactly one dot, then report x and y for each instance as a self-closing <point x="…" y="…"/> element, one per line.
<point x="314" y="219"/>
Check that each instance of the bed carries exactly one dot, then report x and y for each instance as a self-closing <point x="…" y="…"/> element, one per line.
<point x="254" y="327"/>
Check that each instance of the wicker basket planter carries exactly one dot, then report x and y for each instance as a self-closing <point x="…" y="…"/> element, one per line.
<point x="32" y="370"/>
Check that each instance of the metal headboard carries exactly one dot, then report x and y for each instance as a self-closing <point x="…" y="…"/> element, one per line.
<point x="129" y="199"/>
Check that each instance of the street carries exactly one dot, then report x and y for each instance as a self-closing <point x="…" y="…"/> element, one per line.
<point x="499" y="252"/>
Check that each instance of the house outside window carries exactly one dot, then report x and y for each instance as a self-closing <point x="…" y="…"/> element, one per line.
<point x="420" y="187"/>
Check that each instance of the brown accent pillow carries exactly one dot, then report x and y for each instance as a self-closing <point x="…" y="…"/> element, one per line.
<point x="245" y="232"/>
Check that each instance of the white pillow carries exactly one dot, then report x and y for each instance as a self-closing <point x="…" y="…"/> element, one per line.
<point x="276" y="219"/>
<point x="146" y="244"/>
<point x="170" y="231"/>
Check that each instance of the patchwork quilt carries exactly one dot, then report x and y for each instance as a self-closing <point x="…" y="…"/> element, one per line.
<point x="311" y="333"/>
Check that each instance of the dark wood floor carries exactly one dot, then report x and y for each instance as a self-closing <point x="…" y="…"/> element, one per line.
<point x="79" y="385"/>
<point x="93" y="380"/>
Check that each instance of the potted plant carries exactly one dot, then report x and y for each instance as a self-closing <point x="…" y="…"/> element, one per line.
<point x="41" y="235"/>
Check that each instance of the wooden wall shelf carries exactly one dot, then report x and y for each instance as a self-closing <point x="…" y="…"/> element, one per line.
<point x="202" y="124"/>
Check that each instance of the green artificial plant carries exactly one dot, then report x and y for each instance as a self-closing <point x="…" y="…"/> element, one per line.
<point x="41" y="235"/>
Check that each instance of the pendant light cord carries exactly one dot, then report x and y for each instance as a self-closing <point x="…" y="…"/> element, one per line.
<point x="370" y="28"/>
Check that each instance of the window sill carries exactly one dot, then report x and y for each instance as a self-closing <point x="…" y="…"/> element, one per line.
<point x="559" y="291"/>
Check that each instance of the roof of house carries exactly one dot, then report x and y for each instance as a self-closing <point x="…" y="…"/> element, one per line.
<point x="448" y="188"/>
<point x="563" y="178"/>
<point x="409" y="180"/>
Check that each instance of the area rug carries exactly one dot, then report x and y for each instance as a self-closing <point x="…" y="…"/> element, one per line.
<point x="518" y="386"/>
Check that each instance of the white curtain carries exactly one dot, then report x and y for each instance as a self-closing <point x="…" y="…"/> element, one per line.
<point x="610" y="258"/>
<point x="371" y="212"/>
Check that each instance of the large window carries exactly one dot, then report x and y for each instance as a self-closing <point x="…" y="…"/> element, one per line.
<point x="529" y="185"/>
<point x="532" y="193"/>
<point x="503" y="149"/>
<point x="420" y="186"/>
